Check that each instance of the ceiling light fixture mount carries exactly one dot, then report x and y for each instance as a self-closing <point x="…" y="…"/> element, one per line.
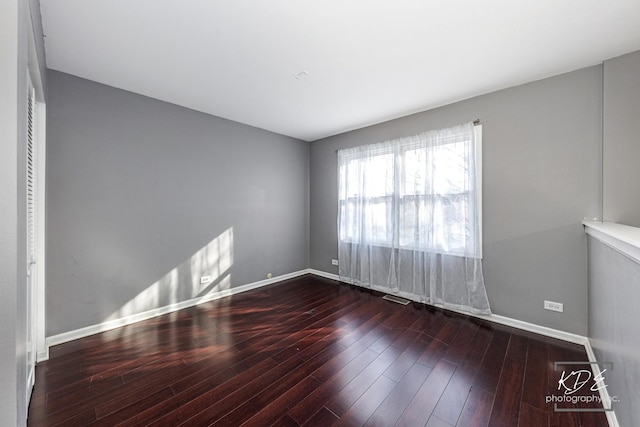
<point x="300" y="75"/>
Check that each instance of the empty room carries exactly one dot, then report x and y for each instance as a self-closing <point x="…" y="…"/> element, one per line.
<point x="295" y="213"/>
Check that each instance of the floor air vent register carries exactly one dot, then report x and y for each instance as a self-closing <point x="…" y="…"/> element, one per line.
<point x="395" y="299"/>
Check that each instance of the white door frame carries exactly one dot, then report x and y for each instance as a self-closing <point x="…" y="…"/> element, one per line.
<point x="42" y="349"/>
<point x="39" y="312"/>
<point x="31" y="236"/>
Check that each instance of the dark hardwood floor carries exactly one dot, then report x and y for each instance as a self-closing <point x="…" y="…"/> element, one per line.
<point x="309" y="352"/>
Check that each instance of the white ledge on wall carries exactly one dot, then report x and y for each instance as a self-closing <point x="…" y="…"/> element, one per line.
<point x="624" y="239"/>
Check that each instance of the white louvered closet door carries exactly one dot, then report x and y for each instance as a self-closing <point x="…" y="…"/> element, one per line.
<point x="31" y="237"/>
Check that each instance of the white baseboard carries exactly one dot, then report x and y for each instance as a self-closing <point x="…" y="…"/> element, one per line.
<point x="507" y="321"/>
<point x="134" y="318"/>
<point x="604" y="392"/>
<point x="43" y="355"/>
<point x="537" y="329"/>
<point x="116" y="323"/>
<point x="324" y="274"/>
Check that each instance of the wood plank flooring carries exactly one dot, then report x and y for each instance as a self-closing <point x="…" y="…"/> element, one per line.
<point x="306" y="352"/>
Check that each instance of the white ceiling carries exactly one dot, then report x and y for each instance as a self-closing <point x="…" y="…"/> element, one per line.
<point x="367" y="60"/>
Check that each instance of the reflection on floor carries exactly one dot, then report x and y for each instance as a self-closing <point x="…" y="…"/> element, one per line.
<point x="308" y="351"/>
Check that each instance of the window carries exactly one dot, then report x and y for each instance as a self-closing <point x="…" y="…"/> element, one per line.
<point x="419" y="193"/>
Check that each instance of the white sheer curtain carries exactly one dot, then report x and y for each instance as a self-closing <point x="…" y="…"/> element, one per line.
<point x="409" y="219"/>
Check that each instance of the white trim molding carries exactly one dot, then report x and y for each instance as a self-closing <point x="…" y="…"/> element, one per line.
<point x="507" y="321"/>
<point x="604" y="391"/>
<point x="624" y="239"/>
<point x="138" y="317"/>
<point x="535" y="328"/>
<point x="42" y="350"/>
<point x="134" y="318"/>
<point x="324" y="274"/>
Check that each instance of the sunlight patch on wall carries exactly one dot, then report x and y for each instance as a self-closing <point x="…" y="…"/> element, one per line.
<point x="183" y="282"/>
<point x="214" y="260"/>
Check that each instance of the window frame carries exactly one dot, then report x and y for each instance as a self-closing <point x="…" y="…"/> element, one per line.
<point x="393" y="238"/>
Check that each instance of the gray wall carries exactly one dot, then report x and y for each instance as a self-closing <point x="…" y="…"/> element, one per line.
<point x="614" y="293"/>
<point x="541" y="162"/>
<point x="136" y="187"/>
<point x="15" y="25"/>
<point x="621" y="173"/>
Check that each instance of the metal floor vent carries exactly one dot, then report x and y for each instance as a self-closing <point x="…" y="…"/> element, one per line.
<point x="396" y="299"/>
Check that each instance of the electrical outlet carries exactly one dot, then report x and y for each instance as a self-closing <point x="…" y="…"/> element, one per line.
<point x="205" y="280"/>
<point x="554" y="306"/>
<point x="334" y="262"/>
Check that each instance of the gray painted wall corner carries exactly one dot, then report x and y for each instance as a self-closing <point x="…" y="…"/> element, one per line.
<point x="621" y="174"/>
